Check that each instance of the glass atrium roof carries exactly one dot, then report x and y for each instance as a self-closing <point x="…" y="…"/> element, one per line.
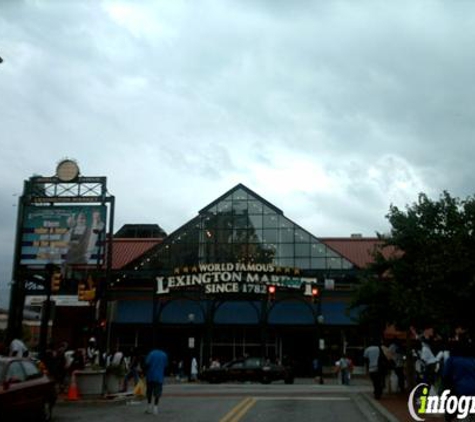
<point x="240" y="226"/>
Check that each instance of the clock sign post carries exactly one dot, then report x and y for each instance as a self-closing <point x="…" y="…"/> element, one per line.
<point x="63" y="221"/>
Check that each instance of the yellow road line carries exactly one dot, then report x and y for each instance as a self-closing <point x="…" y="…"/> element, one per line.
<point x="244" y="410"/>
<point x="237" y="409"/>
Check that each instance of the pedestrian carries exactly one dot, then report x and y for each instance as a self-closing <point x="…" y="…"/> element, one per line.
<point x="92" y="352"/>
<point x="77" y="363"/>
<point x="155" y="365"/>
<point x="49" y="360"/>
<point x="68" y="361"/>
<point x="215" y="363"/>
<point x="18" y="348"/>
<point x="344" y="367"/>
<point x="317" y="370"/>
<point x="116" y="366"/>
<point x="459" y="371"/>
<point x="194" y="370"/>
<point x="427" y="358"/>
<point x="55" y="363"/>
<point x="397" y="356"/>
<point x="181" y="370"/>
<point x="68" y="357"/>
<point x="374" y="357"/>
<point x="61" y="359"/>
<point x="117" y="359"/>
<point x="134" y="369"/>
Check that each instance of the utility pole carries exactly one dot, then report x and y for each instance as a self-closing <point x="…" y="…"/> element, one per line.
<point x="17" y="291"/>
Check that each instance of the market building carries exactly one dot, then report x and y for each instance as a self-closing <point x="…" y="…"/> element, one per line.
<point x="238" y="279"/>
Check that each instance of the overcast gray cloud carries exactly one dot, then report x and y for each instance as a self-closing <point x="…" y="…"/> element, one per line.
<point x="331" y="110"/>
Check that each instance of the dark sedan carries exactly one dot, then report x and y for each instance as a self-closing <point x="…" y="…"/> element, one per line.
<point x="249" y="369"/>
<point x="25" y="391"/>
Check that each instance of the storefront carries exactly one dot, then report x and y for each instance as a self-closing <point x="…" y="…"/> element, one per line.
<point x="205" y="291"/>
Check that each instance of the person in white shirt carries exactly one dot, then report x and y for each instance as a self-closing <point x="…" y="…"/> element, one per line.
<point x="371" y="356"/>
<point x="343" y="366"/>
<point x="117" y="358"/>
<point x="194" y="370"/>
<point x="18" y="348"/>
<point x="92" y="352"/>
<point x="428" y="361"/>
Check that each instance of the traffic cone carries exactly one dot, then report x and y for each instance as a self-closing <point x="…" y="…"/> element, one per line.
<point x="73" y="393"/>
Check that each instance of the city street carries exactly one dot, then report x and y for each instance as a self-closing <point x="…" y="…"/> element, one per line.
<point x="232" y="403"/>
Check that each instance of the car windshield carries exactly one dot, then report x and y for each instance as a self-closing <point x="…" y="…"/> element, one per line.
<point x="253" y="362"/>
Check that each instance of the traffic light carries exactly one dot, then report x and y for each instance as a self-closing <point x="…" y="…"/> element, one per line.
<point x="81" y="291"/>
<point x="56" y="281"/>
<point x="271" y="293"/>
<point x="315" y="293"/>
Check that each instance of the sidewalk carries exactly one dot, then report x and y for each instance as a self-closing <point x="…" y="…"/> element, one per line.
<point x="396" y="405"/>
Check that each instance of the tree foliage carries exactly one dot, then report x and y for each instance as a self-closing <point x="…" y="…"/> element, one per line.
<point x="430" y="276"/>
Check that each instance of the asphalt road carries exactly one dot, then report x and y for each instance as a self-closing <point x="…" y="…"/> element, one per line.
<point x="233" y="403"/>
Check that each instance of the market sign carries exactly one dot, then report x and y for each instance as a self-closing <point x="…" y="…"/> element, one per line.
<point x="234" y="278"/>
<point x="63" y="235"/>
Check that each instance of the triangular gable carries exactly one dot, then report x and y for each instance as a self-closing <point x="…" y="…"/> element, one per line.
<point x="241" y="226"/>
<point x="240" y="193"/>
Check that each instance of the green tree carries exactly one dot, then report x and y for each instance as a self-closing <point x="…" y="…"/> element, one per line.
<point x="424" y="272"/>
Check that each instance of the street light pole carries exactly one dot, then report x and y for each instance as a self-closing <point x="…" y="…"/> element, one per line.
<point x="318" y="317"/>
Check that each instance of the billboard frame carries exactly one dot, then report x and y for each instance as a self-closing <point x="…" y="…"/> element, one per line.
<point x="42" y="192"/>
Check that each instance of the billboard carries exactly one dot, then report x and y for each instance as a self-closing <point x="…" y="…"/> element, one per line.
<point x="72" y="235"/>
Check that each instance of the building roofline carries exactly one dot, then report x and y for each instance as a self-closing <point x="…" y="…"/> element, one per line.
<point x="249" y="192"/>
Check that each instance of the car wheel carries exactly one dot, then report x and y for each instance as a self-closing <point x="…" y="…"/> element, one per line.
<point x="47" y="413"/>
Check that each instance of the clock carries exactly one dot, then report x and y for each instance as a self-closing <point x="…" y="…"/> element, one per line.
<point x="67" y="170"/>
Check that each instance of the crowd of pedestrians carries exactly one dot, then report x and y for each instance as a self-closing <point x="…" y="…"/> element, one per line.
<point x="441" y="363"/>
<point x="424" y="357"/>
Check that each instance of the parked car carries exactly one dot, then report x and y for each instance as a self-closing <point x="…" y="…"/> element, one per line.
<point x="25" y="391"/>
<point x="249" y="369"/>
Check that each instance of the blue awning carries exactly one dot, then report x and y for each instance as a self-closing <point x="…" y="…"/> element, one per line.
<point x="337" y="313"/>
<point x="291" y="313"/>
<point x="181" y="312"/>
<point x="172" y="312"/>
<point x="299" y="313"/>
<point x="233" y="312"/>
<point x="134" y="312"/>
<point x="246" y="313"/>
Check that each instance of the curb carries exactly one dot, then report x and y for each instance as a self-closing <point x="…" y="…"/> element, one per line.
<point x="109" y="398"/>
<point x="385" y="413"/>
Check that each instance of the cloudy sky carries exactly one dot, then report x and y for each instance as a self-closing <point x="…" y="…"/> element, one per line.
<point x="331" y="110"/>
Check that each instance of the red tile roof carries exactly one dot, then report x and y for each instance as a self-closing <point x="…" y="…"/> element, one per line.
<point x="358" y="250"/>
<point x="127" y="250"/>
